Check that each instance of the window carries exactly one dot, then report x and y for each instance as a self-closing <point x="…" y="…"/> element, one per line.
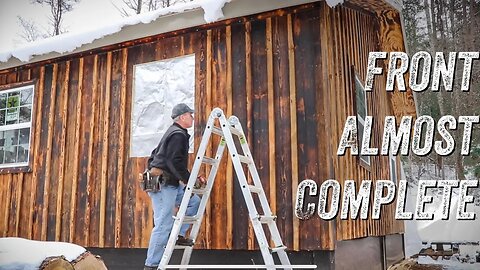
<point x="15" y="124"/>
<point x="393" y="167"/>
<point x="362" y="112"/>
<point x="158" y="86"/>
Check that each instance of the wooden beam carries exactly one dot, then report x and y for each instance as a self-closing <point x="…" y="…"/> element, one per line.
<point x="121" y="151"/>
<point x="36" y="145"/>
<point x="293" y="127"/>
<point x="229" y="231"/>
<point x="91" y="141"/>
<point x="104" y="176"/>
<point x="51" y="120"/>
<point x="61" y="167"/>
<point x="271" y="118"/>
<point x="73" y="202"/>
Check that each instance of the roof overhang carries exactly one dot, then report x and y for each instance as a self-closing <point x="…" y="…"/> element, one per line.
<point x="164" y="24"/>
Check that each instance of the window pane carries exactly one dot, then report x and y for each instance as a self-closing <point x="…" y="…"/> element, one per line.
<point x="10" y="154"/>
<point x="13" y="100"/>
<point x="2" y="138"/>
<point x="3" y="101"/>
<point x="2" y="153"/>
<point x="22" y="153"/>
<point x="24" y="136"/>
<point x="360" y="98"/>
<point x="27" y="95"/>
<point x="2" y="117"/>
<point x="12" y="116"/>
<point x="25" y="114"/>
<point x="11" y="137"/>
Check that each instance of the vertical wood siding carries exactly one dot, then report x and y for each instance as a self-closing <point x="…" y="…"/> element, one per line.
<point x="286" y="74"/>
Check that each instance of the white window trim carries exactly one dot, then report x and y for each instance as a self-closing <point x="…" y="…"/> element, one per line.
<point x="20" y="126"/>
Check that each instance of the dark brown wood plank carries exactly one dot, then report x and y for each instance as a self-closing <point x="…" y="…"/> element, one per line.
<point x="282" y="116"/>
<point x="44" y="86"/>
<point x="67" y="219"/>
<point x="201" y="113"/>
<point x="84" y="113"/>
<point x="240" y="214"/>
<point x="307" y="41"/>
<point x="48" y="198"/>
<point x="95" y="199"/>
<point x="130" y="180"/>
<point x="121" y="150"/>
<point x="105" y="156"/>
<point x="218" y="196"/>
<point x="114" y="119"/>
<point x="60" y="128"/>
<point x="31" y="178"/>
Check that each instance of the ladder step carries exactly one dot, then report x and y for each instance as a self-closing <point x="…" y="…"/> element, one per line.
<point x="187" y="220"/>
<point x="200" y="191"/>
<point x="267" y="219"/>
<point x="235" y="131"/>
<point x="217" y="130"/>
<point x="209" y="160"/>
<point x="255" y="189"/>
<point x="277" y="249"/>
<point x="245" y="159"/>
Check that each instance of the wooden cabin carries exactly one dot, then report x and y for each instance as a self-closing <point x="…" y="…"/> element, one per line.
<point x="292" y="71"/>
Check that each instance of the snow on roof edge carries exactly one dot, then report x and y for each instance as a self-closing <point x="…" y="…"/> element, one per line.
<point x="68" y="42"/>
<point x="176" y="17"/>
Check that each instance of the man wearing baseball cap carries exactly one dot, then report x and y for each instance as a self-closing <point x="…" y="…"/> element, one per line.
<point x="169" y="160"/>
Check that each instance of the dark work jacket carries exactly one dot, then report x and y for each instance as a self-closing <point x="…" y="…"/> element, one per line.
<point x="171" y="155"/>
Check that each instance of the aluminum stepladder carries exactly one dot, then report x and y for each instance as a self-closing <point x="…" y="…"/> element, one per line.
<point x="225" y="131"/>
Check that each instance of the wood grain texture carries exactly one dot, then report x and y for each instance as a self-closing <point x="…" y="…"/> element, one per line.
<point x="281" y="73"/>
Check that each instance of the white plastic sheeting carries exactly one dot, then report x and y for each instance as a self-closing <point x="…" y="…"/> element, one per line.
<point x="158" y="86"/>
<point x="23" y="254"/>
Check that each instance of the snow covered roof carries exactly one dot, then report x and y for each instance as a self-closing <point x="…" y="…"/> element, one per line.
<point x="156" y="22"/>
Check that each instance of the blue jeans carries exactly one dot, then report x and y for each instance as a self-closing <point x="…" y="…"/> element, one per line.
<point x="163" y="203"/>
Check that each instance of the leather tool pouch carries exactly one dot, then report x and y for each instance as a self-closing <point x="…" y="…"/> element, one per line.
<point x="150" y="183"/>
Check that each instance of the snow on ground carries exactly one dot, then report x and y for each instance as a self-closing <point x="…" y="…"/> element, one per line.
<point x="23" y="254"/>
<point x="451" y="230"/>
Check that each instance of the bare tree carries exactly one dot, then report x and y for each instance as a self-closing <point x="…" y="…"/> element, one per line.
<point x="58" y="8"/>
<point x="131" y="7"/>
<point x="30" y="31"/>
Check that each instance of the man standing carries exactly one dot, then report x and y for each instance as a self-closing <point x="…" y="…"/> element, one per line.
<point x="169" y="161"/>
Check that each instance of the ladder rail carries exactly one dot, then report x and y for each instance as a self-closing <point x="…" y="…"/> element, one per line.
<point x="188" y="191"/>
<point x="204" y="200"/>
<point x="227" y="130"/>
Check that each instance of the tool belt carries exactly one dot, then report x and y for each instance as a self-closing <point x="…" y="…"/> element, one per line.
<point x="149" y="182"/>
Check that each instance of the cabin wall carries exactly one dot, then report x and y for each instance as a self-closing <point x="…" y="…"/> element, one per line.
<point x="286" y="74"/>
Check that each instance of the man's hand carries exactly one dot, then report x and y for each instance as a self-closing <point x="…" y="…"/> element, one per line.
<point x="201" y="182"/>
<point x="201" y="179"/>
<point x="155" y="171"/>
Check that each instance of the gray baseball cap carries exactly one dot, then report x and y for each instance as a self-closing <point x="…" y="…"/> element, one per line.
<point x="180" y="109"/>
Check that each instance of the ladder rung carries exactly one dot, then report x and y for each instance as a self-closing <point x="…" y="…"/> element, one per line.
<point x="266" y="219"/>
<point x="235" y="131"/>
<point x="190" y="220"/>
<point x="217" y="131"/>
<point x="255" y="189"/>
<point x="200" y="191"/>
<point x="244" y="159"/>
<point x="209" y="160"/>
<point x="182" y="247"/>
<point x="277" y="249"/>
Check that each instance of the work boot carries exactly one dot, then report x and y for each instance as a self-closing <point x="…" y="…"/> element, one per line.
<point x="146" y="267"/>
<point x="182" y="241"/>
